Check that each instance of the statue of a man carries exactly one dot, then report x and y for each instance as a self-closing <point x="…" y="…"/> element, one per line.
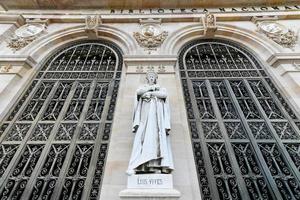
<point x="151" y="151"/>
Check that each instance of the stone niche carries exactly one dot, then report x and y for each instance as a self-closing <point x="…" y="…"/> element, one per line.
<point x="150" y="186"/>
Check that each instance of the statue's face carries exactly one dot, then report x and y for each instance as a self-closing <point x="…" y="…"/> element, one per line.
<point x="151" y="79"/>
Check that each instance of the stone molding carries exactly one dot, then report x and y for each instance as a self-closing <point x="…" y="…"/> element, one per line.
<point x="283" y="58"/>
<point x="74" y="16"/>
<point x="45" y="45"/>
<point x="161" y="64"/>
<point x="41" y="47"/>
<point x="16" y="65"/>
<point x="18" y="20"/>
<point x="250" y="39"/>
<point x="171" y="45"/>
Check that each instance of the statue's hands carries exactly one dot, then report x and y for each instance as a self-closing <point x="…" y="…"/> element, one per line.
<point x="146" y="95"/>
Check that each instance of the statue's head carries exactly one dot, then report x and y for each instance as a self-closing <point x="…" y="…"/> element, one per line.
<point x="151" y="77"/>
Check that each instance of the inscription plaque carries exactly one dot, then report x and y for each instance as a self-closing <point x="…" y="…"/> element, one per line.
<point x="150" y="181"/>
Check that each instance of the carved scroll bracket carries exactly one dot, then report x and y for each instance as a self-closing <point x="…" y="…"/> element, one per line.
<point x="92" y="23"/>
<point x="209" y="23"/>
<point x="43" y="21"/>
<point x="143" y="64"/>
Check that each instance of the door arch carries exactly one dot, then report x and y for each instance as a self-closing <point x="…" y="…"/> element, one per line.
<point x="245" y="135"/>
<point x="55" y="139"/>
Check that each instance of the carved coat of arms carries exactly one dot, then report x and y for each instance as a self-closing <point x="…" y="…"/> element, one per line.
<point x="150" y="37"/>
<point x="278" y="33"/>
<point x="25" y="35"/>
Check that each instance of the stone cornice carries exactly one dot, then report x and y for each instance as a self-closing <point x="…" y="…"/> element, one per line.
<point x="140" y="4"/>
<point x="18" y="20"/>
<point x="16" y="65"/>
<point x="283" y="58"/>
<point x="21" y="61"/>
<point x="71" y="16"/>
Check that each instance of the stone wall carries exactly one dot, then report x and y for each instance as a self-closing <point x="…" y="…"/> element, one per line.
<point x="18" y="67"/>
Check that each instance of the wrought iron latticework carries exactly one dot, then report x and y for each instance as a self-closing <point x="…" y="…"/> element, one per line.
<point x="245" y="135"/>
<point x="55" y="140"/>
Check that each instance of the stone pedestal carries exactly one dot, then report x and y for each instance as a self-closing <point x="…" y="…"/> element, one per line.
<point x="149" y="194"/>
<point x="150" y="187"/>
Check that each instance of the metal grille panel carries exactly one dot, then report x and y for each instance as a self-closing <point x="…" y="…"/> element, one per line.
<point x="55" y="140"/>
<point x="245" y="135"/>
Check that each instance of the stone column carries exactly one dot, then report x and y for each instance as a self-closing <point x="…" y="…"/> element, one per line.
<point x="184" y="176"/>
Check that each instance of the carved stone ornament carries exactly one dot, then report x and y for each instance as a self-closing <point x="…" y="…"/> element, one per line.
<point x="296" y="65"/>
<point x="150" y="37"/>
<point x="209" y="23"/>
<point x="278" y="33"/>
<point x="17" y="43"/>
<point x="91" y="21"/>
<point x="25" y="35"/>
<point x="5" y="68"/>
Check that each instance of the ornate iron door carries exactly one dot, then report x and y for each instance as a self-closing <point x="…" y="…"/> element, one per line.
<point x="245" y="135"/>
<point x="55" y="139"/>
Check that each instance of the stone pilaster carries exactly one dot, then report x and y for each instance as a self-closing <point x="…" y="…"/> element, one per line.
<point x="184" y="176"/>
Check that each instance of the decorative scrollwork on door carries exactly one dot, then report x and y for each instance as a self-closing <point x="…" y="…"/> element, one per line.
<point x="245" y="134"/>
<point x="54" y="142"/>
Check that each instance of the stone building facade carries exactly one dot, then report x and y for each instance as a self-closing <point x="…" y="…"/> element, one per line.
<point x="68" y="79"/>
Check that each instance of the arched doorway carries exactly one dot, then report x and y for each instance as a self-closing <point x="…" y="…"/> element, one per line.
<point x="55" y="139"/>
<point x="245" y="135"/>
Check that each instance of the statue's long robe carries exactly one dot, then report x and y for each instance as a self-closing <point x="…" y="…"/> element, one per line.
<point x="151" y="121"/>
